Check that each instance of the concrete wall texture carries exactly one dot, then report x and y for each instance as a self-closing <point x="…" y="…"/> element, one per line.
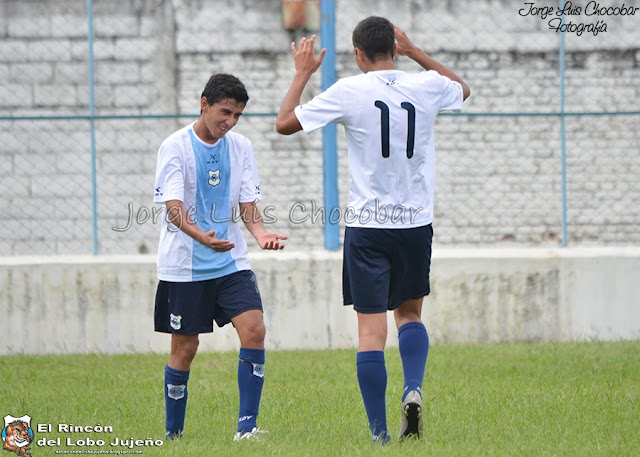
<point x="498" y="176"/>
<point x="105" y="304"/>
<point x="498" y="170"/>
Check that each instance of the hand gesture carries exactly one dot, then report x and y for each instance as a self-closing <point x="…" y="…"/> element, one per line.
<point x="218" y="245"/>
<point x="304" y="57"/>
<point x="271" y="241"/>
<point x="404" y="46"/>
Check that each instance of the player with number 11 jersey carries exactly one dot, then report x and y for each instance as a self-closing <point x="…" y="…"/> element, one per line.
<point x="388" y="117"/>
<point x="392" y="174"/>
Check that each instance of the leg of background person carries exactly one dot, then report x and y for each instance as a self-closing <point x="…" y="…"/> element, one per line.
<point x="251" y="331"/>
<point x="176" y="376"/>
<point x="413" y="343"/>
<point x="372" y="371"/>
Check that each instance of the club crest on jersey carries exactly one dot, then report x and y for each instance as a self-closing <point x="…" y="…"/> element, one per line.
<point x="214" y="178"/>
<point x="175" y="321"/>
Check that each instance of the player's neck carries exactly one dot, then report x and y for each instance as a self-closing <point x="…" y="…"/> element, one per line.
<point x="379" y="65"/>
<point x="203" y="133"/>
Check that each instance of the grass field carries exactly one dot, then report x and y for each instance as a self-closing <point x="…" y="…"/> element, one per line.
<point x="570" y="399"/>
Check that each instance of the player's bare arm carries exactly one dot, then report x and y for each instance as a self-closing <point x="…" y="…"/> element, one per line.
<point x="252" y="219"/>
<point x="405" y="47"/>
<point x="177" y="215"/>
<point x="306" y="64"/>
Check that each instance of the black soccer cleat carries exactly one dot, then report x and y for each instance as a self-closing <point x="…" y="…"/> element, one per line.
<point x="412" y="423"/>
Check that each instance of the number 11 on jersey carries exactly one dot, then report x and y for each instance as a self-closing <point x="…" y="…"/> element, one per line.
<point x="384" y="126"/>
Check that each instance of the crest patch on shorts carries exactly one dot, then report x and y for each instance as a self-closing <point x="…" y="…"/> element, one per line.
<point x="175" y="322"/>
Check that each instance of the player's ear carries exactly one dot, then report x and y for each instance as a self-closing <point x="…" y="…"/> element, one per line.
<point x="204" y="104"/>
<point x="395" y="50"/>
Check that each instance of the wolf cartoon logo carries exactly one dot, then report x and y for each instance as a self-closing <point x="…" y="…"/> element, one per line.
<point x="17" y="435"/>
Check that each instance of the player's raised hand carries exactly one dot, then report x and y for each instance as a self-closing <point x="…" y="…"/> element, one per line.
<point x="271" y="241"/>
<point x="216" y="244"/>
<point x="404" y="46"/>
<point x="304" y="56"/>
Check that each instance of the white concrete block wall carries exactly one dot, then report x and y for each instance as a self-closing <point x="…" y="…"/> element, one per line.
<point x="105" y="303"/>
<point x="498" y="178"/>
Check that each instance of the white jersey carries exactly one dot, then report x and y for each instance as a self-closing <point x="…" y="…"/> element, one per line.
<point x="388" y="117"/>
<point x="210" y="180"/>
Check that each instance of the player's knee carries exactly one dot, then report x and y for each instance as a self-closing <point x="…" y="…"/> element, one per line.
<point x="253" y="335"/>
<point x="259" y="331"/>
<point x="409" y="316"/>
<point x="187" y="350"/>
<point x="409" y="311"/>
<point x="378" y="334"/>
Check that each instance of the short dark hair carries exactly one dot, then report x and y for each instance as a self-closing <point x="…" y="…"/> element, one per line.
<point x="375" y="37"/>
<point x="222" y="86"/>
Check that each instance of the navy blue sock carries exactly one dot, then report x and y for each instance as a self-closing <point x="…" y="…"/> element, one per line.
<point x="413" y="342"/>
<point x="250" y="382"/>
<point x="372" y="378"/>
<point x="175" y="400"/>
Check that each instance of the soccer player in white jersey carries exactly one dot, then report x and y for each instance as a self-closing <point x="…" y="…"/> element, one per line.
<point x="207" y="179"/>
<point x="388" y="117"/>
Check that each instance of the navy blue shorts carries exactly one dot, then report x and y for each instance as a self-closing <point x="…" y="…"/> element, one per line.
<point x="191" y="307"/>
<point x="382" y="268"/>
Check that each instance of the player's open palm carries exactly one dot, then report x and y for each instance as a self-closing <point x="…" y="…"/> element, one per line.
<point x="271" y="241"/>
<point x="304" y="57"/>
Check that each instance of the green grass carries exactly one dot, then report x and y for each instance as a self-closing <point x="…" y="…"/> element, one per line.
<point x="569" y="399"/>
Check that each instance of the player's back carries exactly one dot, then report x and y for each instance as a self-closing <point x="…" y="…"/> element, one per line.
<point x="389" y="117"/>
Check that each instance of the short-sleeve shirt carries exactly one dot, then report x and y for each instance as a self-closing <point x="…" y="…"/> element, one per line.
<point x="388" y="117"/>
<point x="211" y="180"/>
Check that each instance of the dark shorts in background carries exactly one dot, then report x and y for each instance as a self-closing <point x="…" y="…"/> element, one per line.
<point x="382" y="268"/>
<point x="191" y="307"/>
